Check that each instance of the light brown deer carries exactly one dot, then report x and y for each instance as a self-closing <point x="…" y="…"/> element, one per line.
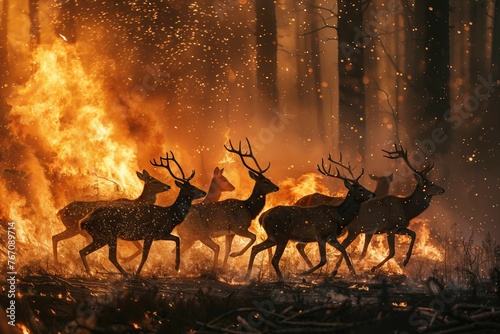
<point x="229" y="217"/>
<point x="381" y="190"/>
<point x="319" y="224"/>
<point x="72" y="213"/>
<point x="218" y="185"/>
<point x="147" y="222"/>
<point x="391" y="215"/>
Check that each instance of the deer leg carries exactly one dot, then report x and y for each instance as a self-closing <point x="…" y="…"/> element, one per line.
<point x="92" y="247"/>
<point x="322" y="253"/>
<point x="214" y="247"/>
<point x="301" y="248"/>
<point x="392" y="251"/>
<point x="112" y="256"/>
<point x="66" y="234"/>
<point x="227" y="249"/>
<point x="335" y="243"/>
<point x="266" y="244"/>
<point x="351" y="236"/>
<point x="368" y="238"/>
<point x="185" y="245"/>
<point x="138" y="251"/>
<point x="412" y="235"/>
<point x="246" y="234"/>
<point x="280" y="248"/>
<point x="175" y="239"/>
<point x="145" y="252"/>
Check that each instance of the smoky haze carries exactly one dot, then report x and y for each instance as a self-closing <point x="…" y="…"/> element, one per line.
<point x="94" y="102"/>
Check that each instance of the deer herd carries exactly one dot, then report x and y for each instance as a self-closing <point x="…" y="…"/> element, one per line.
<point x="314" y="218"/>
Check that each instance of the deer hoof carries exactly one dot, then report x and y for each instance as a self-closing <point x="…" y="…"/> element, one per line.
<point x="373" y="269"/>
<point x="234" y="254"/>
<point x="405" y="262"/>
<point x="334" y="273"/>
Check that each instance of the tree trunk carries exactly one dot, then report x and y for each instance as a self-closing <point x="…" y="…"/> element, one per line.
<point x="352" y="127"/>
<point x="267" y="46"/>
<point x="436" y="80"/>
<point x="316" y="69"/>
<point x="34" y="24"/>
<point x="4" y="56"/>
<point x="495" y="49"/>
<point x="478" y="31"/>
<point x="66" y="27"/>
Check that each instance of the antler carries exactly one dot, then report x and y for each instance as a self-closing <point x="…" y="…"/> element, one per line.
<point x="399" y="152"/>
<point x="167" y="166"/>
<point x="243" y="155"/>
<point x="324" y="171"/>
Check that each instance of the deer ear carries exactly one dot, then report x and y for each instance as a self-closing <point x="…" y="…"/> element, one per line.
<point x="217" y="171"/>
<point x="389" y="178"/>
<point x="253" y="175"/>
<point x="178" y="184"/>
<point x="348" y="185"/>
<point x="140" y="176"/>
<point x="145" y="173"/>
<point x="221" y="171"/>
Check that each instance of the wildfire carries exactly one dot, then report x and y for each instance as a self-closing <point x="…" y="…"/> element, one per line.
<point x="73" y="148"/>
<point x="77" y="146"/>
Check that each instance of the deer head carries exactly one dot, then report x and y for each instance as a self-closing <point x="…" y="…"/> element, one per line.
<point x="222" y="182"/>
<point x="428" y="187"/>
<point x="356" y="190"/>
<point x="262" y="183"/>
<point x="186" y="188"/>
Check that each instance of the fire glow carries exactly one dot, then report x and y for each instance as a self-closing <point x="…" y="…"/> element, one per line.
<point x="77" y="148"/>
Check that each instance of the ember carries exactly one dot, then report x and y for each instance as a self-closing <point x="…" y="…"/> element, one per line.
<point x="91" y="92"/>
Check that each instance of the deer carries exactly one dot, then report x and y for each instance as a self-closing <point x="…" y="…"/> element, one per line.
<point x="319" y="224"/>
<point x="218" y="185"/>
<point x="381" y="190"/>
<point x="229" y="217"/>
<point x="75" y="211"/>
<point x="390" y="214"/>
<point x="146" y="222"/>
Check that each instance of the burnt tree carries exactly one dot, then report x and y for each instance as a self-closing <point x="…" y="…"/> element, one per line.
<point x="477" y="39"/>
<point x="352" y="126"/>
<point x="66" y="25"/>
<point x="266" y="47"/>
<point x="4" y="59"/>
<point x="316" y="71"/>
<point x="34" y="23"/>
<point x="435" y="85"/>
<point x="495" y="49"/>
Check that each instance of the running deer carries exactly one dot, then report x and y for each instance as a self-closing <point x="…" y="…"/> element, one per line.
<point x="229" y="217"/>
<point x="72" y="213"/>
<point x="218" y="185"/>
<point x="392" y="214"/>
<point x="381" y="190"/>
<point x="319" y="224"/>
<point x="147" y="222"/>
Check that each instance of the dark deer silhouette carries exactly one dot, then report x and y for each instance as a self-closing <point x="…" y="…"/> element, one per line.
<point x="147" y="222"/>
<point x="72" y="213"/>
<point x="319" y="224"/>
<point x="391" y="215"/>
<point x="229" y="217"/>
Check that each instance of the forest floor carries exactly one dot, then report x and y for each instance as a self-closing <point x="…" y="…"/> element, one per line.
<point x="375" y="304"/>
